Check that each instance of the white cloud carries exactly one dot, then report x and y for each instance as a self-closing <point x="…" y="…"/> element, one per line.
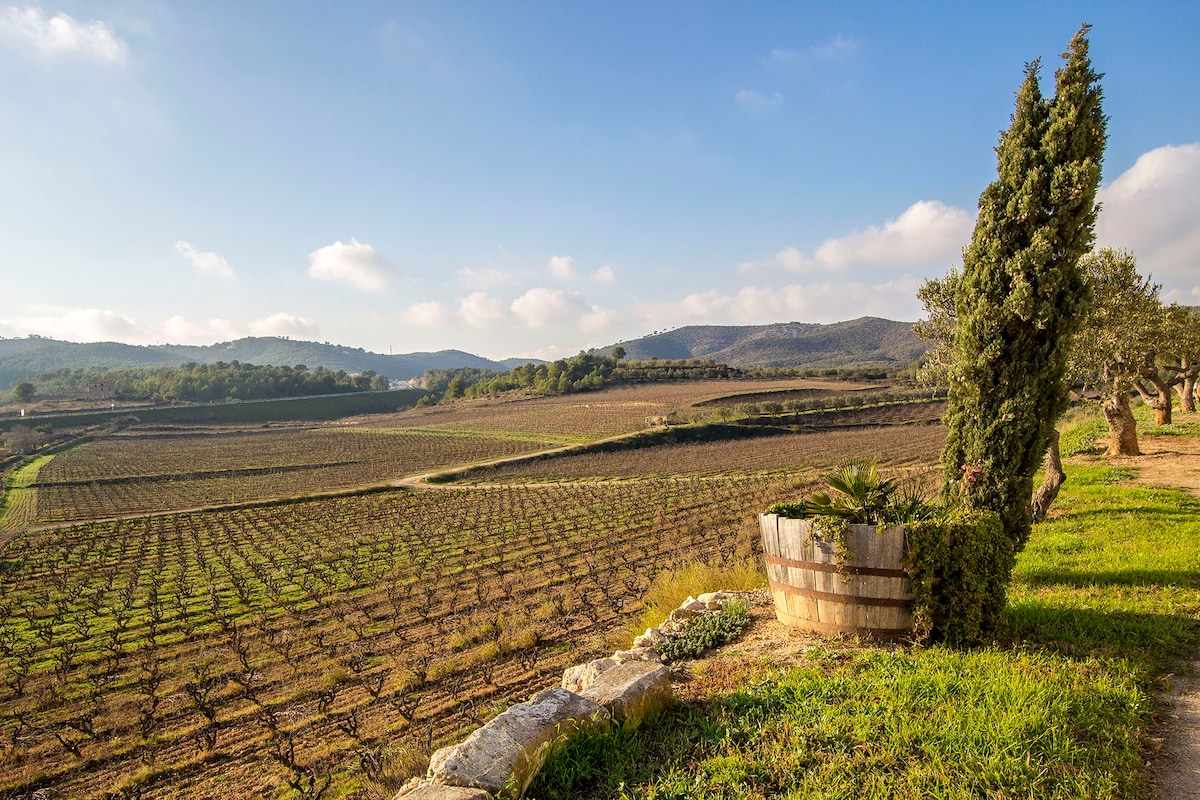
<point x="282" y="324"/>
<point x="480" y="310"/>
<point x="817" y="302"/>
<point x="1152" y="209"/>
<point x="561" y="267"/>
<point x="1183" y="296"/>
<point x="61" y="35"/>
<point x="599" y="318"/>
<point x="541" y="306"/>
<point x="205" y="263"/>
<point x="604" y="275"/>
<point x="483" y="279"/>
<point x="104" y="325"/>
<point x="790" y="259"/>
<point x="752" y="98"/>
<point x="178" y="330"/>
<point x="355" y="264"/>
<point x="428" y="315"/>
<point x="928" y="233"/>
<point x="838" y="48"/>
<point x="81" y="325"/>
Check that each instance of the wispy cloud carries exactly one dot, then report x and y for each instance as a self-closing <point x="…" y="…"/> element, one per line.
<point x="483" y="279"/>
<point x="205" y="263"/>
<point x="61" y="35"/>
<point x="927" y="233"/>
<point x="604" y="275"/>
<point x="355" y="264"/>
<point x="824" y="302"/>
<point x="839" y="48"/>
<point x="752" y="98"/>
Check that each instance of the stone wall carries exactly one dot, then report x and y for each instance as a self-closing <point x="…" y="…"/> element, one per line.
<point x="501" y="758"/>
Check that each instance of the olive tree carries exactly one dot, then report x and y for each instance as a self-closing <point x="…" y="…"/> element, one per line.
<point x="1118" y="344"/>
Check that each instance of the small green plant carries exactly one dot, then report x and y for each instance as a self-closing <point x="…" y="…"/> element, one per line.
<point x="707" y="631"/>
<point x="858" y="495"/>
<point x="672" y="586"/>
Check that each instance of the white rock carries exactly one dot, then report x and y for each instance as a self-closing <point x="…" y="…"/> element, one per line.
<point x="503" y="756"/>
<point x="579" y="677"/>
<point x="635" y="654"/>
<point x="692" y="604"/>
<point x="633" y="690"/>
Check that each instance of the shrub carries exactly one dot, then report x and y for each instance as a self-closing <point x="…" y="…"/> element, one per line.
<point x="671" y="587"/>
<point x="707" y="631"/>
<point x="959" y="566"/>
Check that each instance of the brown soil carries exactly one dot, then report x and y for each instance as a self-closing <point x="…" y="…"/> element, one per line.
<point x="1174" y="461"/>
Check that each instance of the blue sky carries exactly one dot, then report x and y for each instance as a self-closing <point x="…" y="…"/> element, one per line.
<point x="536" y="178"/>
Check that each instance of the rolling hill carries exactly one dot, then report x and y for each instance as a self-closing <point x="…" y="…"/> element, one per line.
<point x="22" y="359"/>
<point x="862" y="342"/>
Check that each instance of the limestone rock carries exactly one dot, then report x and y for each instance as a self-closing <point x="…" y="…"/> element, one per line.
<point x="635" y="654"/>
<point x="632" y="690"/>
<point x="712" y="600"/>
<point x="693" y="605"/>
<point x="581" y="676"/>
<point x="418" y="789"/>
<point x="503" y="756"/>
<point x="648" y="639"/>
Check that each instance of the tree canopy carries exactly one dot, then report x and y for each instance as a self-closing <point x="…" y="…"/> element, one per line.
<point x="202" y="383"/>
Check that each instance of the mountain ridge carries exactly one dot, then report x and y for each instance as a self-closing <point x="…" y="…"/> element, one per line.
<point x="865" y="342"/>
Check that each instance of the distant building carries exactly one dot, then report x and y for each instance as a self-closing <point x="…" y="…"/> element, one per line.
<point x="100" y="390"/>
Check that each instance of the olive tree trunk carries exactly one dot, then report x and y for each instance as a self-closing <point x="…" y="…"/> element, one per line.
<point x="1122" y="429"/>
<point x="1055" y="478"/>
<point x="1187" y="388"/>
<point x="1157" y="394"/>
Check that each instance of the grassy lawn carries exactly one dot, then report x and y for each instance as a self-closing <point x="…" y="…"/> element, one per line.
<point x="1104" y="603"/>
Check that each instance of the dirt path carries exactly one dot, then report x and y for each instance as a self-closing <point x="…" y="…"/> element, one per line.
<point x="1174" y="461"/>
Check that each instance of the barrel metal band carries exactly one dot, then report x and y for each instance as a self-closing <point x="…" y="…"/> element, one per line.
<point x="846" y="599"/>
<point x="850" y="569"/>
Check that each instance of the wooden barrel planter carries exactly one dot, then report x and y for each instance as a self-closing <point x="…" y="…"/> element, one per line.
<point x="867" y="594"/>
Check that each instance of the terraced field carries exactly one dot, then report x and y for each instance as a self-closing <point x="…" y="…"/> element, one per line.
<point x="154" y="472"/>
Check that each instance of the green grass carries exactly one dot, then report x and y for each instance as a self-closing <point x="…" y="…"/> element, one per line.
<point x="1104" y="603"/>
<point x="17" y="499"/>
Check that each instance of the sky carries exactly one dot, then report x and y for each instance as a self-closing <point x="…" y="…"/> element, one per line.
<point x="537" y="178"/>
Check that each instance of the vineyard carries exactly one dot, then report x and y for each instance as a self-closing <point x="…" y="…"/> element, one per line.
<point x="593" y="415"/>
<point x="147" y="473"/>
<point x="308" y="646"/>
<point x="896" y="446"/>
<point x="327" y="639"/>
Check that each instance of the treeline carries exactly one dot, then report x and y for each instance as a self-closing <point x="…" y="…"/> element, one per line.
<point x="576" y="374"/>
<point x="588" y="371"/>
<point x="202" y="383"/>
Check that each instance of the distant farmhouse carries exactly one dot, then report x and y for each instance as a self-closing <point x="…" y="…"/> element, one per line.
<point x="100" y="390"/>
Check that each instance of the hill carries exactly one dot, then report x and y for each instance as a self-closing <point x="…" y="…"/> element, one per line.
<point x="862" y="342"/>
<point x="22" y="359"/>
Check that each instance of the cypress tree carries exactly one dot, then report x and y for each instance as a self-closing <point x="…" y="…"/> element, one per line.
<point x="1021" y="296"/>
